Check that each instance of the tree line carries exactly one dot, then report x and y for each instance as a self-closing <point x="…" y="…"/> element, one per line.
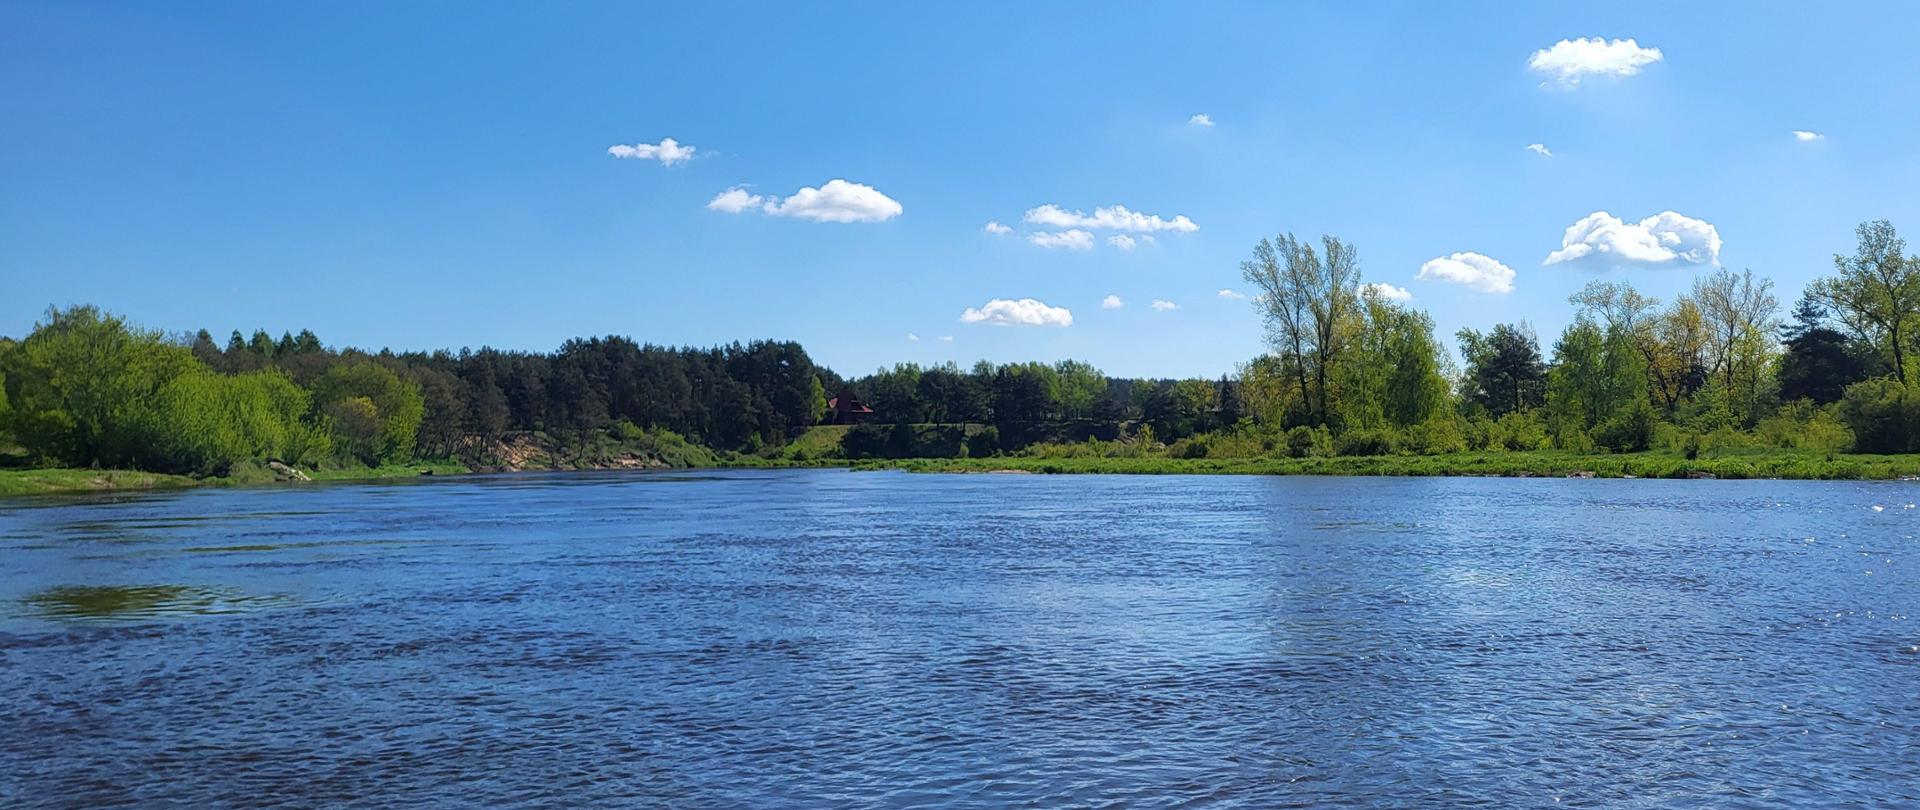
<point x="1346" y="372"/>
<point x="1717" y="361"/>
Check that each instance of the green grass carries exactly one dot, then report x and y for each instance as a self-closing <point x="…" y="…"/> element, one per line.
<point x="409" y="470"/>
<point x="44" y="482"/>
<point x="1745" y="463"/>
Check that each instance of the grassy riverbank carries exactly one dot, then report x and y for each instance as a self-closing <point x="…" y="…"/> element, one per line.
<point x="69" y="481"/>
<point x="1757" y="463"/>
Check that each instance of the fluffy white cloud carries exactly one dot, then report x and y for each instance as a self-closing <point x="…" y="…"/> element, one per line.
<point x="1570" y="60"/>
<point x="996" y="228"/>
<point x="1075" y="239"/>
<point x="1803" y="135"/>
<point x="1482" y="273"/>
<point x="836" y="201"/>
<point x="1112" y="218"/>
<point x="1664" y="239"/>
<point x="913" y="338"/>
<point x="1540" y="149"/>
<point x="1122" y="241"/>
<point x="1233" y="294"/>
<point x="1112" y="302"/>
<point x="1399" y="295"/>
<point x="1024" y="312"/>
<point x="1200" y="120"/>
<point x="735" y="200"/>
<point x="1163" y="304"/>
<point x="668" y="151"/>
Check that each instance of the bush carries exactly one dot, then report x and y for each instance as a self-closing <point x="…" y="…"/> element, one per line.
<point x="1365" y="443"/>
<point x="985" y="443"/>
<point x="1880" y="414"/>
<point x="1303" y="441"/>
<point x="1631" y="431"/>
<point x="1435" y="437"/>
<point x="1523" y="431"/>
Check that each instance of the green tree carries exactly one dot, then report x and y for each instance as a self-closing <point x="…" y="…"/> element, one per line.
<point x="1504" y="371"/>
<point x="349" y="394"/>
<point x="1307" y="300"/>
<point x="1876" y="293"/>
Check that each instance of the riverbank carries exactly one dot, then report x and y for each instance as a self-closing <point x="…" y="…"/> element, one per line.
<point x="1788" y="464"/>
<point x="71" y="481"/>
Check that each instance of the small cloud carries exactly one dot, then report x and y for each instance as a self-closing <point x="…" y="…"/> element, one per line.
<point x="1664" y="239"/>
<point x="1121" y="241"/>
<point x="1075" y="239"/>
<point x="1227" y="293"/>
<point x="946" y="338"/>
<point x="1540" y="149"/>
<point x="1023" y="312"/>
<point x="996" y="228"/>
<point x="1112" y="218"/>
<point x="1163" y="304"/>
<point x="1482" y="273"/>
<point x="913" y="338"/>
<point x="1571" y="60"/>
<point x="1112" y="302"/>
<point x="1804" y="136"/>
<point x="1200" y="120"/>
<point x="668" y="151"/>
<point x="1388" y="292"/>
<point x="735" y="200"/>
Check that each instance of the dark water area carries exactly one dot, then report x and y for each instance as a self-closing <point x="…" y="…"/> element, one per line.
<point x="823" y="638"/>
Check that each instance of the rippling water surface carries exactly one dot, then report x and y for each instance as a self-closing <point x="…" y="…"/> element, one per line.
<point x="836" y="639"/>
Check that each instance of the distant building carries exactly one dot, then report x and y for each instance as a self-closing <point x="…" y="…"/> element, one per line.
<point x="847" y="409"/>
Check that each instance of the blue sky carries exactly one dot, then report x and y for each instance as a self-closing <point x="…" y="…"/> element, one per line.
<point x="425" y="175"/>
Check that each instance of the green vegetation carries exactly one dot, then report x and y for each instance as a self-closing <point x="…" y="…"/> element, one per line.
<point x="1710" y="382"/>
<point x="43" y="482"/>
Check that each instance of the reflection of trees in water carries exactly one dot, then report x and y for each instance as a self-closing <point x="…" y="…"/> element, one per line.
<point x="133" y="601"/>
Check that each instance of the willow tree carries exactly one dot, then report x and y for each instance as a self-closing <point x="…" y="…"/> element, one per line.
<point x="1307" y="300"/>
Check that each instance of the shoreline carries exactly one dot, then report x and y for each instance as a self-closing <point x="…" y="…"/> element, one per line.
<point x="1771" y="464"/>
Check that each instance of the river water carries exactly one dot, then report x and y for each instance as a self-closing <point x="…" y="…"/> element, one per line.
<point x="823" y="638"/>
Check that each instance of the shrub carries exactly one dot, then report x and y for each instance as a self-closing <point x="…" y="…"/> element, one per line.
<point x="1524" y="431"/>
<point x="985" y="443"/>
<point x="1435" y="437"/>
<point x="1630" y="431"/>
<point x="1880" y="415"/>
<point x="1365" y="443"/>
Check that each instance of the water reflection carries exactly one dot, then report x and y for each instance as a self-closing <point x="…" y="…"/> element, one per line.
<point x="122" y="602"/>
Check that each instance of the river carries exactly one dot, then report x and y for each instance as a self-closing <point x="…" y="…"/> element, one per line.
<point x="823" y="638"/>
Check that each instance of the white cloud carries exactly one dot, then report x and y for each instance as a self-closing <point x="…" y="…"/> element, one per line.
<point x="1164" y="304"/>
<point x="1481" y="273"/>
<point x="1398" y="295"/>
<point x="668" y="151"/>
<point x="1226" y="293"/>
<point x="996" y="228"/>
<point x="1200" y="120"/>
<point x="946" y="338"/>
<point x="913" y="338"/>
<point x="1075" y="239"/>
<point x="1664" y="239"/>
<point x="1570" y="60"/>
<point x="1112" y="218"/>
<point x="1121" y="241"/>
<point x="735" y="200"/>
<point x="1024" y="312"/>
<point x="836" y="201"/>
<point x="1540" y="149"/>
<point x="1803" y="135"/>
<point x="1112" y="302"/>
